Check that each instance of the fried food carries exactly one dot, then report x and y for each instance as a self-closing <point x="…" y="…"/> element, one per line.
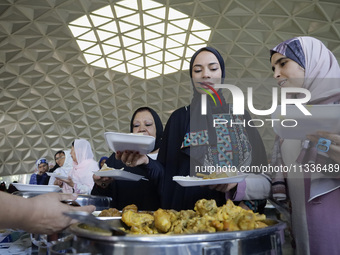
<point x="136" y="219"/>
<point x="141" y="223"/>
<point x="204" y="206"/>
<point x="206" y="217"/>
<point x="111" y="212"/>
<point x="216" y="175"/>
<point x="131" y="207"/>
<point x="164" y="219"/>
<point x="106" y="168"/>
<point x="213" y="175"/>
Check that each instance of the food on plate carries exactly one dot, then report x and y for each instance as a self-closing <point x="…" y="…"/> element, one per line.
<point x="106" y="168"/>
<point x="206" y="217"/>
<point x="212" y="176"/>
<point x="111" y="212"/>
<point x="216" y="175"/>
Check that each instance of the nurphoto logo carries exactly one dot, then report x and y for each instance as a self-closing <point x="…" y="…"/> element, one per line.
<point x="238" y="100"/>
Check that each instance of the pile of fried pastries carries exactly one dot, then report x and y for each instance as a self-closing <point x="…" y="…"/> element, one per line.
<point x="205" y="218"/>
<point x="111" y="212"/>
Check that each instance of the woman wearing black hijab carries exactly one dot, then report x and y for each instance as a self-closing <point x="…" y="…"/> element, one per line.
<point x="191" y="140"/>
<point x="143" y="193"/>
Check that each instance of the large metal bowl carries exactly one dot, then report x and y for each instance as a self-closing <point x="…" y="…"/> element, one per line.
<point x="267" y="240"/>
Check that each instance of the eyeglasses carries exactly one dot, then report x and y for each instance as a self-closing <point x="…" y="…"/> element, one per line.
<point x="56" y="159"/>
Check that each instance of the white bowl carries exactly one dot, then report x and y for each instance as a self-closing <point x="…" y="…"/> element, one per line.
<point x="144" y="144"/>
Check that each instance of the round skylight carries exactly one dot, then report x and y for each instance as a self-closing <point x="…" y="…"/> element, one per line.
<point x="148" y="43"/>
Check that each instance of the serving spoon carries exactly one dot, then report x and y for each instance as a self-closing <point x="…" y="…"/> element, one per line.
<point x="90" y="219"/>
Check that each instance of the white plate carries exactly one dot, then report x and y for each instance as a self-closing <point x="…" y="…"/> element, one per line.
<point x="144" y="144"/>
<point x="119" y="175"/>
<point x="323" y="118"/>
<point x="34" y="187"/>
<point x="189" y="181"/>
<point x="64" y="177"/>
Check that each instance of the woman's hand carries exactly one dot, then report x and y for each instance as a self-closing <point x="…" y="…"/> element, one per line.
<point x="42" y="214"/>
<point x="58" y="182"/>
<point x="102" y="181"/>
<point x="132" y="158"/>
<point x="334" y="148"/>
<point x="68" y="181"/>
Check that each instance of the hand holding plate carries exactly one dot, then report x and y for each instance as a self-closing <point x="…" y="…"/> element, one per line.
<point x="132" y="158"/>
<point x="102" y="181"/>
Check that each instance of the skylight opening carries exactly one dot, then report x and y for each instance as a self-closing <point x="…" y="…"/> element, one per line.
<point x="144" y="43"/>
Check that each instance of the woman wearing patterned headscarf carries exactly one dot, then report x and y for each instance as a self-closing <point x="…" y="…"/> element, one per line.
<point x="80" y="177"/>
<point x="142" y="193"/>
<point x="306" y="62"/>
<point x="190" y="140"/>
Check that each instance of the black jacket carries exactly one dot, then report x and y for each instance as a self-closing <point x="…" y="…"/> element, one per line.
<point x="174" y="161"/>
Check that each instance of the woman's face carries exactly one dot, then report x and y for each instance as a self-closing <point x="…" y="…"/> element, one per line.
<point x="73" y="155"/>
<point x="144" y="123"/>
<point x="42" y="168"/>
<point x="206" y="69"/>
<point x="60" y="159"/>
<point x="287" y="72"/>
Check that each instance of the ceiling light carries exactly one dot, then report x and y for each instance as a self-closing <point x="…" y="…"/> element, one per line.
<point x="142" y="38"/>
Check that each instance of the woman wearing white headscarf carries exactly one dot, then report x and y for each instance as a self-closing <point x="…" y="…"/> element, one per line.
<point x="62" y="170"/>
<point x="80" y="179"/>
<point x="314" y="197"/>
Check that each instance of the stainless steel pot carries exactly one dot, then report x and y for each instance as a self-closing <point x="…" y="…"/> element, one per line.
<point x="267" y="240"/>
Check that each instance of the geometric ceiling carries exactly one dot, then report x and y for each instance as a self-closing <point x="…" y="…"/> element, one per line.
<point x="50" y="94"/>
<point x="144" y="39"/>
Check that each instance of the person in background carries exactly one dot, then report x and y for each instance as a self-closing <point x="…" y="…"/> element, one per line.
<point x="102" y="161"/>
<point x="143" y="193"/>
<point x="3" y="187"/>
<point x="59" y="155"/>
<point x="11" y="188"/>
<point x="312" y="197"/>
<point x="191" y="140"/>
<point x="40" y="177"/>
<point x="65" y="162"/>
<point x="80" y="177"/>
<point x="42" y="214"/>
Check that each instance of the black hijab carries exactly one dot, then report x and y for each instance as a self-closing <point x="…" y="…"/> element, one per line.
<point x="202" y="131"/>
<point x="199" y="122"/>
<point x="157" y="121"/>
<point x="219" y="58"/>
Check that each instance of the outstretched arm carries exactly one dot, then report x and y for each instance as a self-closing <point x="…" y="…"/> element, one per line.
<point x="41" y="214"/>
